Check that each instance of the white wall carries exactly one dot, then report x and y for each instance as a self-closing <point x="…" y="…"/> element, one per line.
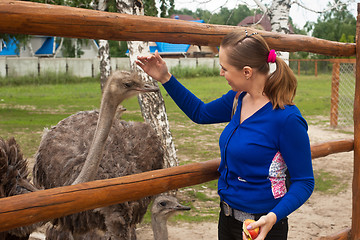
<point x="2" y="67"/>
<point x="83" y="67"/>
<point x="51" y="65"/>
<point x="22" y="66"/>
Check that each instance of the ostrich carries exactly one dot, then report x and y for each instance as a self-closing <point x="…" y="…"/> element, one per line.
<point x="67" y="155"/>
<point x="14" y="180"/>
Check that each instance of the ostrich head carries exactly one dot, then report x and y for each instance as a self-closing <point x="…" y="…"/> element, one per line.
<point x="122" y="85"/>
<point x="163" y="207"/>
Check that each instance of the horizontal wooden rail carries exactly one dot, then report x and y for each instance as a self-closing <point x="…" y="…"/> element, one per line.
<point x="22" y="17"/>
<point x="47" y="204"/>
<point x="327" y="148"/>
<point x="343" y="235"/>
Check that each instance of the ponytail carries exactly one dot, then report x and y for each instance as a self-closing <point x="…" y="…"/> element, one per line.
<point x="281" y="85"/>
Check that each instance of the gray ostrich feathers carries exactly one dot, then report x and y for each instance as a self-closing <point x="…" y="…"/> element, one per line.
<point x="89" y="146"/>
<point x="14" y="180"/>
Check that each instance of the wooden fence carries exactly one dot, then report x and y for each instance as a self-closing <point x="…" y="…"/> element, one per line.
<point x="314" y="61"/>
<point x="35" y="18"/>
<point x="335" y="85"/>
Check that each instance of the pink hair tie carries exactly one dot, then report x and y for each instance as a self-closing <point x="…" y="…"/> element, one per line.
<point x="272" y="56"/>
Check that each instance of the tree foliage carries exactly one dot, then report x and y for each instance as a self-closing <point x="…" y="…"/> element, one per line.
<point x="224" y="17"/>
<point x="166" y="8"/>
<point x="334" y="25"/>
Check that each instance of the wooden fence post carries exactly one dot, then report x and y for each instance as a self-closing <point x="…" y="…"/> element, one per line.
<point x="355" y="227"/>
<point x="335" y="82"/>
<point x="316" y="65"/>
<point x="298" y="67"/>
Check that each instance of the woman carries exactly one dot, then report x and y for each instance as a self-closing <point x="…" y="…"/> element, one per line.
<point x="265" y="143"/>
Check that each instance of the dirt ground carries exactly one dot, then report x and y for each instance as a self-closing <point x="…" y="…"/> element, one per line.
<point x="322" y="215"/>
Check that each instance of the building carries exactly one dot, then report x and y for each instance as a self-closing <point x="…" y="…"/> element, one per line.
<point x="43" y="46"/>
<point x="171" y="50"/>
<point x="259" y="21"/>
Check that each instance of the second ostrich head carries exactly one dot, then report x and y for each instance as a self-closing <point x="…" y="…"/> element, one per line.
<point x="163" y="207"/>
<point x="120" y="86"/>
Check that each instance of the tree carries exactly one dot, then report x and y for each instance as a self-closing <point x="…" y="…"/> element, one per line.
<point x="104" y="52"/>
<point x="152" y="105"/>
<point x="166" y="8"/>
<point x="224" y="17"/>
<point x="334" y="25"/>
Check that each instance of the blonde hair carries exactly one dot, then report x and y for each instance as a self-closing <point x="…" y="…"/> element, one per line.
<point x="247" y="48"/>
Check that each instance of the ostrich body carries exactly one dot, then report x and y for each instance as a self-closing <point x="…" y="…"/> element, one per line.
<point x="14" y="180"/>
<point x="89" y="146"/>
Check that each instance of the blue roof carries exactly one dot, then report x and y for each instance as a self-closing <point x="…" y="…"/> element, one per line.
<point x="199" y="21"/>
<point x="171" y="48"/>
<point x="47" y="47"/>
<point x="9" y="49"/>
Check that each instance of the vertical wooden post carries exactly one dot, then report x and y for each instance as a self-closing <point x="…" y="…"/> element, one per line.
<point x="335" y="82"/>
<point x="355" y="228"/>
<point x="298" y="67"/>
<point x="316" y="65"/>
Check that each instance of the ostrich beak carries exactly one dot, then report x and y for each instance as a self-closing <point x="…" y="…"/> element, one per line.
<point x="148" y="88"/>
<point x="182" y="208"/>
<point x="122" y="109"/>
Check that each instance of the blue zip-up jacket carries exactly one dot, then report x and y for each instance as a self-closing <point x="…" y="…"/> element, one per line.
<point x="256" y="153"/>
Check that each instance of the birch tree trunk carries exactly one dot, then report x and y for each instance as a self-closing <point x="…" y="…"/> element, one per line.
<point x="59" y="48"/>
<point x="152" y="104"/>
<point x="31" y="51"/>
<point x="104" y="53"/>
<point x="279" y="19"/>
<point x="76" y="47"/>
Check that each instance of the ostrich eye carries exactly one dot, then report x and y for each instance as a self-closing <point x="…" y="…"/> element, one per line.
<point x="128" y="85"/>
<point x="163" y="204"/>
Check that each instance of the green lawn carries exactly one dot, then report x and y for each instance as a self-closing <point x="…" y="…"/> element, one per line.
<point x="26" y="110"/>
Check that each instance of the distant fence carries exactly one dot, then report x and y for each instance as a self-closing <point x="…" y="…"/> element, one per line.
<point x="311" y="66"/>
<point x="342" y="93"/>
<point x="81" y="67"/>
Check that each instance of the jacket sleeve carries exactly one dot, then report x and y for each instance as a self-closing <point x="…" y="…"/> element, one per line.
<point x="216" y="111"/>
<point x="295" y="149"/>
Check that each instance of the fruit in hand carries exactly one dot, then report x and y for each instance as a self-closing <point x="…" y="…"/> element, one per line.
<point x="251" y="233"/>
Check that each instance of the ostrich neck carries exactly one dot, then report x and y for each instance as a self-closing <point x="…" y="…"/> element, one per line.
<point x="107" y="111"/>
<point x="159" y="227"/>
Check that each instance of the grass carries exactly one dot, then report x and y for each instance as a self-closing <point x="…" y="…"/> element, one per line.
<point x="327" y="182"/>
<point x="314" y="95"/>
<point x="25" y="110"/>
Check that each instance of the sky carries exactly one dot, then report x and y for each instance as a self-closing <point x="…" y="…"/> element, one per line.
<point x="298" y="14"/>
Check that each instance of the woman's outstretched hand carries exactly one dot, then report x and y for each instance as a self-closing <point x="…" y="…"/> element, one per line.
<point x="155" y="67"/>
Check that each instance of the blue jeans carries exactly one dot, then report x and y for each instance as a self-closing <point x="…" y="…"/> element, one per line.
<point x="231" y="229"/>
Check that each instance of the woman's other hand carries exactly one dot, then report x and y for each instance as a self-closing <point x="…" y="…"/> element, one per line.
<point x="265" y="223"/>
<point x="155" y="67"/>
